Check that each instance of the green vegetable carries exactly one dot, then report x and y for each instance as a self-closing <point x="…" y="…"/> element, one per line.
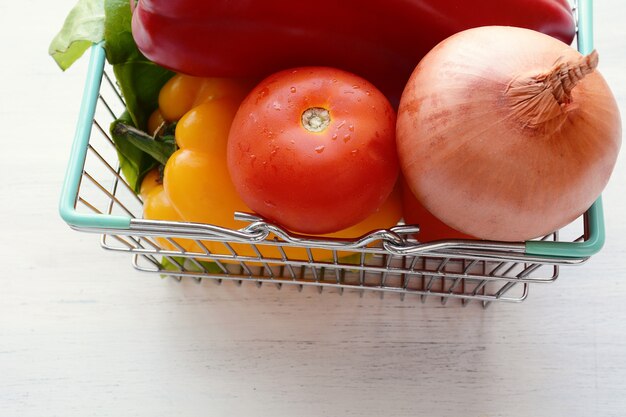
<point x="139" y="79"/>
<point x="109" y="22"/>
<point x="174" y="263"/>
<point x="160" y="150"/>
<point x="134" y="162"/>
<point x="83" y="27"/>
<point x="139" y="152"/>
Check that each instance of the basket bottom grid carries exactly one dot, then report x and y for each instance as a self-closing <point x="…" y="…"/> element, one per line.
<point x="363" y="270"/>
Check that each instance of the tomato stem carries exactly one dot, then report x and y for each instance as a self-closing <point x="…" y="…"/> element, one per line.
<point x="315" y="119"/>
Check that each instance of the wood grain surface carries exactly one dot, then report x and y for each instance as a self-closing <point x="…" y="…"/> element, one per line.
<point x="83" y="334"/>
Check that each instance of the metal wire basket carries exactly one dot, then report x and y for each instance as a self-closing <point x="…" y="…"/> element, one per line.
<point x="96" y="198"/>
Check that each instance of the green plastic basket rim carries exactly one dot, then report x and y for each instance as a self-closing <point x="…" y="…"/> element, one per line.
<point x="595" y="229"/>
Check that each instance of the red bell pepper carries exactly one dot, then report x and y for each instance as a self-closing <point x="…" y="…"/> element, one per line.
<point x="381" y="40"/>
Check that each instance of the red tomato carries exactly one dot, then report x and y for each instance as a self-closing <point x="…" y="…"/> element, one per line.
<point x="431" y="228"/>
<point x="313" y="149"/>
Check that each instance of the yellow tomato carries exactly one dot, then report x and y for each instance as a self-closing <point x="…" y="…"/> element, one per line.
<point x="183" y="92"/>
<point x="157" y="206"/>
<point x="155" y="121"/>
<point x="196" y="177"/>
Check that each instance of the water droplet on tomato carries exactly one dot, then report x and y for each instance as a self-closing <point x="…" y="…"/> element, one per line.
<point x="276" y="105"/>
<point x="351" y="128"/>
<point x="292" y="89"/>
<point x="320" y="149"/>
<point x="346" y="138"/>
<point x="269" y="203"/>
<point x="354" y="152"/>
<point x="334" y="136"/>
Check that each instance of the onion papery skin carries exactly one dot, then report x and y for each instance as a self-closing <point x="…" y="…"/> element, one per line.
<point x="484" y="167"/>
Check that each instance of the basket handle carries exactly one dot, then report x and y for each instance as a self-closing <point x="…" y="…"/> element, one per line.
<point x="594" y="218"/>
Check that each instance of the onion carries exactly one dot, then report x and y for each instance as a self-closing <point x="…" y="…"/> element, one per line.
<point x="506" y="133"/>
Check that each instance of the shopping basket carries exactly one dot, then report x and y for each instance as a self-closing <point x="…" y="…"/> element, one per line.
<point x="96" y="198"/>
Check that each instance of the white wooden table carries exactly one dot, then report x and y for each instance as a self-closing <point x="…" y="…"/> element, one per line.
<point x="83" y="334"/>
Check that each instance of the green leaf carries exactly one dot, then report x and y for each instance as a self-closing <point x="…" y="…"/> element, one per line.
<point x="139" y="79"/>
<point x="83" y="26"/>
<point x="353" y="259"/>
<point x="140" y="83"/>
<point x="94" y="21"/>
<point x="189" y="265"/>
<point x="134" y="162"/>
<point x="159" y="150"/>
<point x="120" y="47"/>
